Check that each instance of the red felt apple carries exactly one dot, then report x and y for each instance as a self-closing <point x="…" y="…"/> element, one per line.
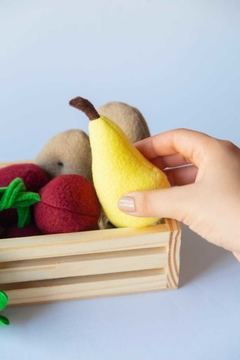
<point x="68" y="204"/>
<point x="34" y="179"/>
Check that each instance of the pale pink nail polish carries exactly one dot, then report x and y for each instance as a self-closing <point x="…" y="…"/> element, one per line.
<point x="126" y="203"/>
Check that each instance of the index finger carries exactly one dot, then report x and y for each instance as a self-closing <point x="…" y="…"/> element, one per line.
<point x="190" y="144"/>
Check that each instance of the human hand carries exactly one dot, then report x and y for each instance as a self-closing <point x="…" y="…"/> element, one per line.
<point x="205" y="195"/>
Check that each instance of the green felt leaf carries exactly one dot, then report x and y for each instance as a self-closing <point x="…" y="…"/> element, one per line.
<point x="3" y="300"/>
<point x="4" y="321"/>
<point x="16" y="196"/>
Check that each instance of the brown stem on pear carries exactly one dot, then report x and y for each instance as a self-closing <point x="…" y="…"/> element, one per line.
<point x="85" y="106"/>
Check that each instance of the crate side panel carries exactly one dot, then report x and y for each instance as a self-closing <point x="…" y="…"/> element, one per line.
<point x="174" y="259"/>
<point x="83" y="265"/>
<point x="89" y="242"/>
<point x="82" y="288"/>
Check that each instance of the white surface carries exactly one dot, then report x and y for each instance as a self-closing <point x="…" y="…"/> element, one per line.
<point x="178" y="62"/>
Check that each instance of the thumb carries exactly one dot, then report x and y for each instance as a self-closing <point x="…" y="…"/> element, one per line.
<point x="167" y="203"/>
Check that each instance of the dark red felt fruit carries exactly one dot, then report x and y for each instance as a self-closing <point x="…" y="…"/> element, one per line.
<point x="14" y="231"/>
<point x="68" y="204"/>
<point x="34" y="179"/>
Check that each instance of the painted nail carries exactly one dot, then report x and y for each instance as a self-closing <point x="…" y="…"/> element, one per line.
<point x="126" y="203"/>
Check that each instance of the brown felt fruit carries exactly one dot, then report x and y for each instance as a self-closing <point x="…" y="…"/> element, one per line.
<point x="68" y="204"/>
<point x="34" y="179"/>
<point x="66" y="153"/>
<point x="128" y="118"/>
<point x="69" y="152"/>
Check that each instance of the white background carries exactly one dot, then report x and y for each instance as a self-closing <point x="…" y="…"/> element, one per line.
<point x="178" y="62"/>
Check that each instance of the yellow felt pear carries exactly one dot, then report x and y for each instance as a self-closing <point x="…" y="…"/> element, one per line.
<point x="117" y="167"/>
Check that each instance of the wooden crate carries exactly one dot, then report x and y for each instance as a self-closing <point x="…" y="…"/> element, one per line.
<point x="49" y="268"/>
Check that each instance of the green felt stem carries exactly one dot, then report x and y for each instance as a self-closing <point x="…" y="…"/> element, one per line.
<point x="16" y="196"/>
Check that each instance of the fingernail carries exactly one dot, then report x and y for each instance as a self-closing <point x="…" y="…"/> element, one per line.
<point x="126" y="203"/>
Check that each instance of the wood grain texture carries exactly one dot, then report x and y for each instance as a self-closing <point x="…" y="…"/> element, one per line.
<point x="88" y="242"/>
<point x="97" y="263"/>
<point x="87" y="287"/>
<point x="83" y="265"/>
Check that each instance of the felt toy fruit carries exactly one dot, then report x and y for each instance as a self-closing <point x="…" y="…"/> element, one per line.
<point x="32" y="175"/>
<point x="128" y="118"/>
<point x="68" y="204"/>
<point x="66" y="153"/>
<point x="118" y="167"/>
<point x="34" y="179"/>
<point x="16" y="196"/>
<point x="69" y="152"/>
<point x="132" y="123"/>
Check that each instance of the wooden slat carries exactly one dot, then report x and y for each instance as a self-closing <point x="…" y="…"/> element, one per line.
<point x="86" y="287"/>
<point x="172" y="225"/>
<point x="172" y="268"/>
<point x="83" y="265"/>
<point x="87" y="242"/>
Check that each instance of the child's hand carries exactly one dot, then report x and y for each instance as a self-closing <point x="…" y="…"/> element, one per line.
<point x="205" y="195"/>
